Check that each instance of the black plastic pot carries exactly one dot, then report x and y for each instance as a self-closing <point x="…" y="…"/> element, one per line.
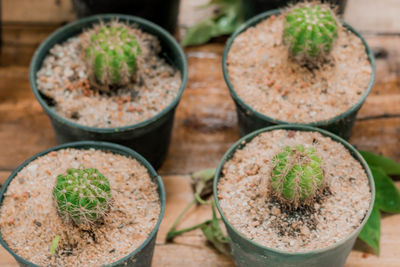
<point x="140" y="257"/>
<point x="250" y="120"/>
<point x="255" y="7"/>
<point x="162" y="12"/>
<point x="151" y="137"/>
<point x="249" y="253"/>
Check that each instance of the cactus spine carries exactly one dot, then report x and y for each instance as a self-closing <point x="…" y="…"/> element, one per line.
<point x="82" y="195"/>
<point x="309" y="32"/>
<point x="111" y="56"/>
<point x="297" y="177"/>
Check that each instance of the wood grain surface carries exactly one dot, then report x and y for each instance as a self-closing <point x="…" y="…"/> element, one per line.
<point x="205" y="127"/>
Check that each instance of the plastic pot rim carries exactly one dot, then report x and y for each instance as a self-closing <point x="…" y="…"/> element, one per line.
<point x="106" y="146"/>
<point x="82" y="24"/>
<point x="265" y="15"/>
<point x="356" y="155"/>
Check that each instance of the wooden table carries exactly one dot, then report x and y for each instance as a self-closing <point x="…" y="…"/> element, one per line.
<point x="205" y="127"/>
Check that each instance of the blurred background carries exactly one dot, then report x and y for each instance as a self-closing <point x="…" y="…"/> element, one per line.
<point x="205" y="123"/>
<point x="25" y="23"/>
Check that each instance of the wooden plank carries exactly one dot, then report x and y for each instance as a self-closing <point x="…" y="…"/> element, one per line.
<point x="29" y="126"/>
<point x="387" y="60"/>
<point x="376" y="106"/>
<point x="3" y="176"/>
<point x="21" y="41"/>
<point x="14" y="85"/>
<point x="205" y="127"/>
<point x="32" y="22"/>
<point x="6" y="260"/>
<point x="192" y="250"/>
<point x="205" y="124"/>
<point x="22" y="120"/>
<point x="38" y="11"/>
<point x="373" y="16"/>
<point x="26" y="34"/>
<point x="378" y="135"/>
<point x="172" y="255"/>
<point x="16" y="55"/>
<point x="378" y="123"/>
<point x="390" y="252"/>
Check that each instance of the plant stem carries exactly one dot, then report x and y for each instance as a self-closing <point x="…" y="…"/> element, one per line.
<point x="172" y="231"/>
<point x="54" y="244"/>
<point x="200" y="200"/>
<point x="171" y="234"/>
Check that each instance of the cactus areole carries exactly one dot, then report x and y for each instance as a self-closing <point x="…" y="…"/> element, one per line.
<point x="111" y="56"/>
<point x="309" y="32"/>
<point x="297" y="177"/>
<point x="82" y="195"/>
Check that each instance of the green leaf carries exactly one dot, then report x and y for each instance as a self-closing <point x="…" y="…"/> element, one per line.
<point x="172" y="231"/>
<point x="54" y="245"/>
<point x="223" y="2"/>
<point x="214" y="235"/>
<point x="228" y="23"/>
<point x="371" y="232"/>
<point x="200" y="33"/>
<point x="204" y="175"/>
<point x="226" y="20"/>
<point x="387" y="196"/>
<point x="202" y="186"/>
<point x="389" y="166"/>
<point x="171" y="234"/>
<point x="202" y="182"/>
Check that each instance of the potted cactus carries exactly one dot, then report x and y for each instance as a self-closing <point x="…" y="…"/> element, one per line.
<point x="114" y="78"/>
<point x="302" y="66"/>
<point x="309" y="33"/>
<point x="110" y="53"/>
<point x="82" y="204"/>
<point x="296" y="178"/>
<point x="82" y="196"/>
<point x="293" y="195"/>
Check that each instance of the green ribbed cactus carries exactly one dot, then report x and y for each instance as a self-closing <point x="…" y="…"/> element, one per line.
<point x="309" y="32"/>
<point x="111" y="56"/>
<point x="82" y="195"/>
<point x="296" y="177"/>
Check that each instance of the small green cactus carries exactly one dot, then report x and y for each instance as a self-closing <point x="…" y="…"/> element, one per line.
<point x="82" y="195"/>
<point x="309" y="32"/>
<point x="296" y="177"/>
<point x="111" y="56"/>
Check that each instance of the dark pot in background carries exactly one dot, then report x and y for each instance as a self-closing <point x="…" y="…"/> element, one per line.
<point x="255" y="7"/>
<point x="162" y="12"/>
<point x="250" y="120"/>
<point x="151" y="137"/>
<point x="142" y="256"/>
<point x="249" y="253"/>
<point x="1" y="32"/>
